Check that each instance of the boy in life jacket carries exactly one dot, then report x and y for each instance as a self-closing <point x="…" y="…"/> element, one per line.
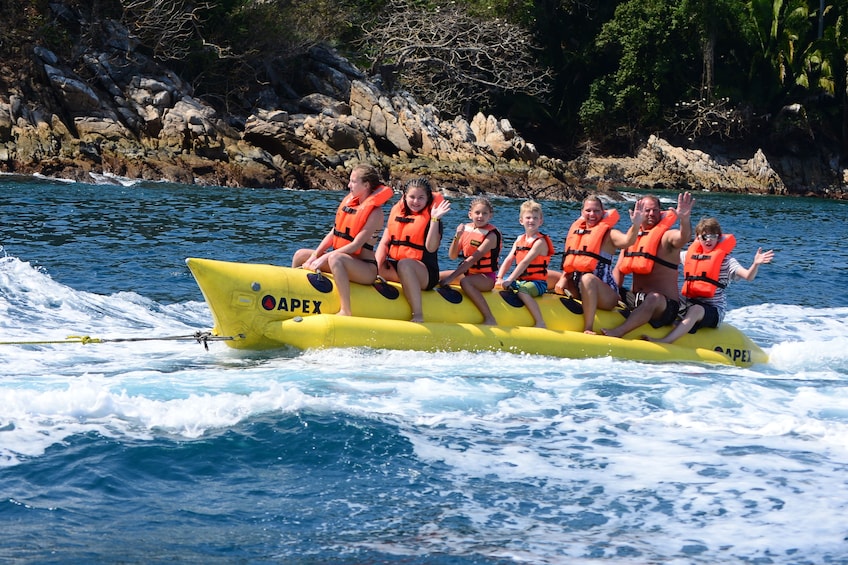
<point x="408" y="250"/>
<point x="479" y="245"/>
<point x="708" y="268"/>
<point x="347" y="250"/>
<point x="587" y="270"/>
<point x="653" y="261"/>
<point x="531" y="253"/>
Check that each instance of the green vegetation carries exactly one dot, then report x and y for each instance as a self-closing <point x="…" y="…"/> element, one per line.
<point x="579" y="73"/>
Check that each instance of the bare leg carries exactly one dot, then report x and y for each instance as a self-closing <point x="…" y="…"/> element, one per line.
<point x="413" y="277"/>
<point x="301" y="256"/>
<point x="694" y="314"/>
<point x="653" y="305"/>
<point x="553" y="277"/>
<point x="595" y="294"/>
<point x="474" y="286"/>
<point x="531" y="305"/>
<point x="347" y="269"/>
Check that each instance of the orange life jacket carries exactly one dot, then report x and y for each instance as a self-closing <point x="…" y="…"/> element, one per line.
<point x="469" y="241"/>
<point x="353" y="214"/>
<point x="701" y="269"/>
<point x="409" y="233"/>
<point x="538" y="269"/>
<point x="640" y="257"/>
<point x="583" y="244"/>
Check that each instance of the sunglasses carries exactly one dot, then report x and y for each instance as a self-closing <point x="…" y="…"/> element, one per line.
<point x="709" y="237"/>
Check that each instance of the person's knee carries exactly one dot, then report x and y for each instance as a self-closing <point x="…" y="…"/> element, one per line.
<point x="657" y="300"/>
<point x="410" y="271"/>
<point x="334" y="260"/>
<point x="696" y="312"/>
<point x="654" y="302"/>
<point x="588" y="281"/>
<point x="300" y="257"/>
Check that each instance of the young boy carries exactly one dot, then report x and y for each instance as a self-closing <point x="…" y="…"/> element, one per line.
<point x="708" y="269"/>
<point x="532" y="253"/>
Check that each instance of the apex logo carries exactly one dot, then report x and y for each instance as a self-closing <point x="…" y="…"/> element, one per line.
<point x="742" y="355"/>
<point x="288" y="304"/>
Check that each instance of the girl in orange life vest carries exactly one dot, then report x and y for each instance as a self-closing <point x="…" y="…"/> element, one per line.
<point x="587" y="261"/>
<point x="708" y="268"/>
<point x="532" y="253"/>
<point x="408" y="250"/>
<point x="479" y="244"/>
<point x="347" y="250"/>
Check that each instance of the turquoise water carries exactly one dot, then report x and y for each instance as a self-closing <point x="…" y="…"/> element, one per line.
<point x="156" y="450"/>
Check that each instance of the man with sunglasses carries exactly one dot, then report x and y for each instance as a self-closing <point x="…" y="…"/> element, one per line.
<point x="708" y="269"/>
<point x="653" y="261"/>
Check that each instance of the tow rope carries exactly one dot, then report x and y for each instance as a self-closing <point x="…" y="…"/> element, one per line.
<point x="199" y="337"/>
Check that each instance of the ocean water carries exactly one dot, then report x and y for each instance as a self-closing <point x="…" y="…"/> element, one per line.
<point x="132" y="443"/>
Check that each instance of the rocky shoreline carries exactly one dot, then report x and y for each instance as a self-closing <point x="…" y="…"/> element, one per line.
<point x="124" y="115"/>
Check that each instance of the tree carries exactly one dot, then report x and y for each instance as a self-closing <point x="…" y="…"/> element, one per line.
<point x="651" y="64"/>
<point x="781" y="31"/>
<point x="451" y="59"/>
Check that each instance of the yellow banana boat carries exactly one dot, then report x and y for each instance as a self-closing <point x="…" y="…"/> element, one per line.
<point x="263" y="306"/>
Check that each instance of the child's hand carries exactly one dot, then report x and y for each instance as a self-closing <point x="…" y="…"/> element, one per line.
<point x="763" y="257"/>
<point x="440" y="210"/>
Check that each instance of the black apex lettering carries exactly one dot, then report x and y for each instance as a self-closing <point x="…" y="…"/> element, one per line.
<point x="741" y="355"/>
<point x="299" y="306"/>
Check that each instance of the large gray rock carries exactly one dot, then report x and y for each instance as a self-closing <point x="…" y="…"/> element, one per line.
<point x="132" y="117"/>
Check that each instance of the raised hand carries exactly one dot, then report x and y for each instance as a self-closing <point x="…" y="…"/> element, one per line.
<point x="637" y="213"/>
<point x="763" y="257"/>
<point x="440" y="210"/>
<point x="685" y="202"/>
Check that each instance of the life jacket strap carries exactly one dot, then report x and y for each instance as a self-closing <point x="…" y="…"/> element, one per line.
<point x="705" y="278"/>
<point x="654" y="258"/>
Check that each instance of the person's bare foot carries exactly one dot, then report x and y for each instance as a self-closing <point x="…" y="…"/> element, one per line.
<point x="590" y="332"/>
<point x="490" y="322"/>
<point x="609" y="333"/>
<point x="417" y="318"/>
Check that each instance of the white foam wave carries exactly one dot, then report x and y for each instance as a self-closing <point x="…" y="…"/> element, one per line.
<point x="178" y="388"/>
<point x="33" y="305"/>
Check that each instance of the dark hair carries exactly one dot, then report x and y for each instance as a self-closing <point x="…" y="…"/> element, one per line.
<point x="419" y="182"/>
<point x="708" y="225"/>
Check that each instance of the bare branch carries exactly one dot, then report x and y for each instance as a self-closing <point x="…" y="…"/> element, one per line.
<point x="167" y="27"/>
<point x="711" y="117"/>
<point x="450" y="58"/>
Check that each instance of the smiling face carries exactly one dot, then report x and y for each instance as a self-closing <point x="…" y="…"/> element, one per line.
<point x="416" y="198"/>
<point x="593" y="212"/>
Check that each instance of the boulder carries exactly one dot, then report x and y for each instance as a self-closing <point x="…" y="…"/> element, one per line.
<point x="130" y="116"/>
